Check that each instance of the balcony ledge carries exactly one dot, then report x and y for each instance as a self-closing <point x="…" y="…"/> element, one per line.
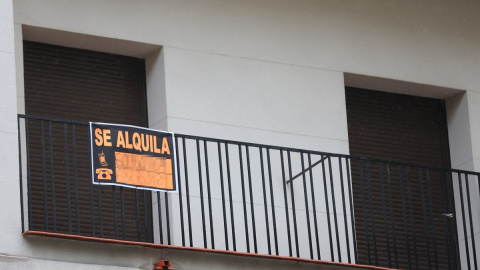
<point x="325" y="264"/>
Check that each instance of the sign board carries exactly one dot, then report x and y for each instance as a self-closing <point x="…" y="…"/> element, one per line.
<point x="133" y="157"/>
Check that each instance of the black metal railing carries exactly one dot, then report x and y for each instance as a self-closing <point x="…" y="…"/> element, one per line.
<point x="256" y="198"/>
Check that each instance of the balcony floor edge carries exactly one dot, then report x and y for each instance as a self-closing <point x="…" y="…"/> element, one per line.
<point x="224" y="252"/>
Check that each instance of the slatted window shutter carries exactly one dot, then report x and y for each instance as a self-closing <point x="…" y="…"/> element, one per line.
<point x="407" y="129"/>
<point x="82" y="85"/>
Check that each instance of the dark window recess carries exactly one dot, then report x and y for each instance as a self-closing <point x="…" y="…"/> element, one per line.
<point x="407" y="129"/>
<point x="82" y="85"/>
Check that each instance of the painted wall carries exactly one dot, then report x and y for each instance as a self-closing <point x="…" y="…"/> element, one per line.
<point x="262" y="71"/>
<point x="9" y="198"/>
<point x="432" y="43"/>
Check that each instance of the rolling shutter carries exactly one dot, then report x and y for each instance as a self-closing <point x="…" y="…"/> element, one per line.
<point x="406" y="129"/>
<point x="74" y="84"/>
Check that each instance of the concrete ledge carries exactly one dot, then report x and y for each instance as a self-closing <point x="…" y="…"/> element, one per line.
<point x="316" y="263"/>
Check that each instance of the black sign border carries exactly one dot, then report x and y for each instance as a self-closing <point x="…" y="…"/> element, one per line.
<point x="174" y="161"/>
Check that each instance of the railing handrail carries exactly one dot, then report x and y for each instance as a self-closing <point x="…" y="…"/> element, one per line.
<point x="276" y="147"/>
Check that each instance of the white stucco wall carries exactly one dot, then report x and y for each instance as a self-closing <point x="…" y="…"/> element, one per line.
<point x="429" y="42"/>
<point x="9" y="199"/>
<point x="257" y="101"/>
<point x="262" y="71"/>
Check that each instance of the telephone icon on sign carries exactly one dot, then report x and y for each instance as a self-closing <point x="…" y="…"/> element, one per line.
<point x="104" y="174"/>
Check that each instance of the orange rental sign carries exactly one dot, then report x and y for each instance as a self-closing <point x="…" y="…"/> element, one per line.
<point x="132" y="156"/>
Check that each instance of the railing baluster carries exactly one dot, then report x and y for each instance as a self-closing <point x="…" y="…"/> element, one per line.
<point x="160" y="219"/>
<point x="432" y="220"/>
<point x="29" y="175"/>
<point x="200" y="182"/>
<point x="252" y="211"/>
<point x="222" y="187"/>
<point x="292" y="198"/>
<point x="465" y="237"/>
<point x="392" y="220"/>
<point x="272" y="202"/>
<point x="332" y="190"/>
<point x="137" y="214"/>
<point x="124" y="235"/>
<point x="412" y="216"/>
<point x="364" y="202"/>
<point x="284" y="184"/>
<point x="232" y="219"/>
<point x="352" y="221"/>
<point x="372" y="218"/>
<point x="187" y="189"/>
<point x="332" y="257"/>
<point x="92" y="208"/>
<point x="145" y="216"/>
<point x="209" y="195"/>
<point x="267" y="223"/>
<point x="472" y="233"/>
<point x="45" y="195"/>
<point x="345" y="224"/>
<point x="312" y="192"/>
<point x="75" y="175"/>
<point x="167" y="219"/>
<point x="67" y="178"/>
<point x="453" y="224"/>
<point x="180" y="196"/>
<point x="384" y="211"/>
<point x="425" y="225"/>
<point x="404" y="217"/>
<point x="307" y="212"/>
<point x="52" y="176"/>
<point x="115" y="224"/>
<point x="244" y="200"/>
<point x="446" y="211"/>
<point x="100" y="216"/>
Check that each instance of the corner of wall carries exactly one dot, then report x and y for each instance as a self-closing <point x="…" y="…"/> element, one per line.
<point x="156" y="90"/>
<point x="459" y="134"/>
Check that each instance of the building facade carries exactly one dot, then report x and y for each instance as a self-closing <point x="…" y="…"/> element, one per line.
<point x="393" y="80"/>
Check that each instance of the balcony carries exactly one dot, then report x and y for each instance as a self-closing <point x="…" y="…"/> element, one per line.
<point x="249" y="198"/>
